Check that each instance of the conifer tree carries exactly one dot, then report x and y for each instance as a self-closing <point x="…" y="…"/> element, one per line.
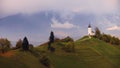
<point x="51" y="39"/>
<point x="25" y="44"/>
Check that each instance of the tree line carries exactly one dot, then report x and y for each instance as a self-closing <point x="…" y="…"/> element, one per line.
<point x="106" y="37"/>
<point x="5" y="44"/>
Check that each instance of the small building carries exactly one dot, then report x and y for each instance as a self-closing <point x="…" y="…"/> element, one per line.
<point x="90" y="31"/>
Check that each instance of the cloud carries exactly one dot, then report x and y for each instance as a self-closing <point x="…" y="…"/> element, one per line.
<point x="66" y="25"/>
<point x="9" y="7"/>
<point x="61" y="34"/>
<point x="114" y="28"/>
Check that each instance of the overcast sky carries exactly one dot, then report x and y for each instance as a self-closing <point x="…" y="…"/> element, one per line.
<point x="36" y="18"/>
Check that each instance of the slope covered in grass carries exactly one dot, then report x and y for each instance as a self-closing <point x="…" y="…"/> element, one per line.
<point x="89" y="53"/>
<point x="108" y="51"/>
<point x="20" y="59"/>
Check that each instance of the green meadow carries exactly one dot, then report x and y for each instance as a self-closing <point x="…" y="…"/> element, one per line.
<point x="89" y="53"/>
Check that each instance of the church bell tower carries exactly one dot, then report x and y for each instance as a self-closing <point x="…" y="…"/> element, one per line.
<point x="89" y="31"/>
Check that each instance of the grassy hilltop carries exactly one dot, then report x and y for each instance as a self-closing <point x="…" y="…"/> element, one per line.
<point x="89" y="53"/>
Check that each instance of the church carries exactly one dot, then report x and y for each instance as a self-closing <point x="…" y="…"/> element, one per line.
<point x="90" y="31"/>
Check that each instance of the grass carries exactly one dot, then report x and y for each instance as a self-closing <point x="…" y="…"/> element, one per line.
<point x="10" y="62"/>
<point x="20" y="59"/>
<point x="89" y="53"/>
<point x="108" y="51"/>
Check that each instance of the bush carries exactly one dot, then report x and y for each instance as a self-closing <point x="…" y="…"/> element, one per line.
<point x="67" y="39"/>
<point x="52" y="49"/>
<point x="69" y="47"/>
<point x="60" y="44"/>
<point x="107" y="38"/>
<point x="115" y="41"/>
<point x="31" y="46"/>
<point x="45" y="61"/>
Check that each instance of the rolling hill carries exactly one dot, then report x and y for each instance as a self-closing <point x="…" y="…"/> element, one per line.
<point x="89" y="53"/>
<point x="19" y="59"/>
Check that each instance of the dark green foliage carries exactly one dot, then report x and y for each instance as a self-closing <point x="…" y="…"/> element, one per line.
<point x="52" y="49"/>
<point x="31" y="46"/>
<point x="35" y="52"/>
<point x="51" y="40"/>
<point x="115" y="41"/>
<point x="110" y="39"/>
<point x="97" y="33"/>
<point x="19" y="44"/>
<point x="4" y="45"/>
<point x="45" y="61"/>
<point x="69" y="47"/>
<point x="66" y="44"/>
<point x="67" y="39"/>
<point x="60" y="44"/>
<point x="49" y="45"/>
<point x="25" y="44"/>
<point x="107" y="38"/>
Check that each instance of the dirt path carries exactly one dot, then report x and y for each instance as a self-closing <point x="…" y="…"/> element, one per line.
<point x="8" y="54"/>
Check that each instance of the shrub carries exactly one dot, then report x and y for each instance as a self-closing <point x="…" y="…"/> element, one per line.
<point x="69" y="47"/>
<point x="31" y="46"/>
<point x="67" y="39"/>
<point x="60" y="44"/>
<point x="52" y="49"/>
<point x="107" y="38"/>
<point x="45" y="61"/>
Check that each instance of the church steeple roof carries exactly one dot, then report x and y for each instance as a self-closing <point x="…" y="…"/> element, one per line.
<point x="89" y="26"/>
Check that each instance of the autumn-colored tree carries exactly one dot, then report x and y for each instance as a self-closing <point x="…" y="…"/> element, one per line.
<point x="19" y="44"/>
<point x="4" y="45"/>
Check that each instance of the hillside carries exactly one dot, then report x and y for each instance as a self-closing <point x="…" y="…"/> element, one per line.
<point x="110" y="52"/>
<point x="89" y="53"/>
<point x="19" y="59"/>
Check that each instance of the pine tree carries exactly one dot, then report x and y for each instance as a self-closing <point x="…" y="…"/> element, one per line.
<point x="51" y="40"/>
<point x="25" y="44"/>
